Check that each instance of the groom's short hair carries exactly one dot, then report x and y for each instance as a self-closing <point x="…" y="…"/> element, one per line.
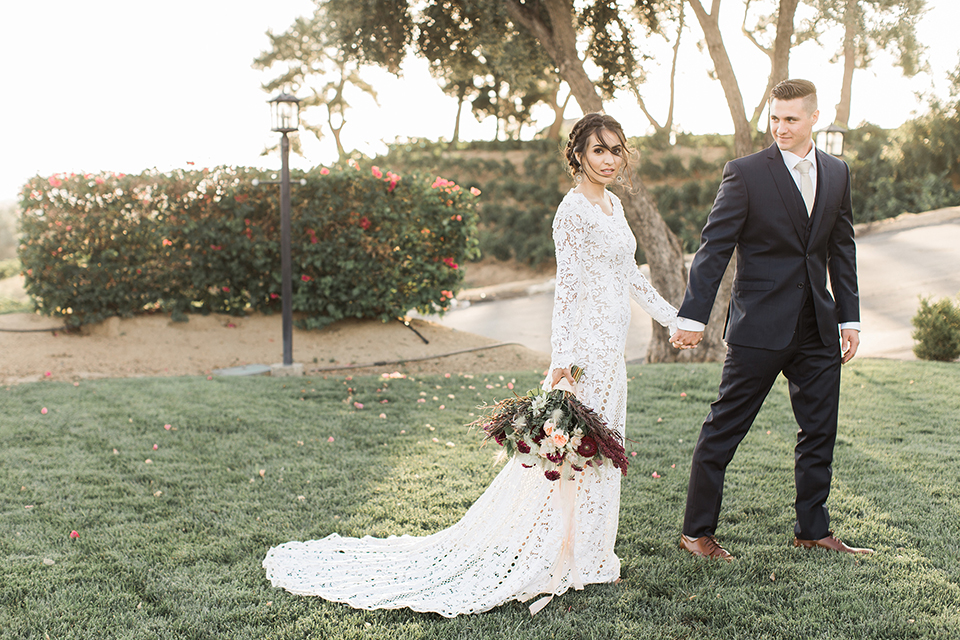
<point x="793" y="89"/>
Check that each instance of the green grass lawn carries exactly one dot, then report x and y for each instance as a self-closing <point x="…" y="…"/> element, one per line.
<point x="173" y="523"/>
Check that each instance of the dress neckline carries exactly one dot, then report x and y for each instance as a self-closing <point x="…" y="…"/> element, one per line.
<point x="593" y="205"/>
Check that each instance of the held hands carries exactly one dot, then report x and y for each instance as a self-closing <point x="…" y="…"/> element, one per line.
<point x="849" y="341"/>
<point x="688" y="339"/>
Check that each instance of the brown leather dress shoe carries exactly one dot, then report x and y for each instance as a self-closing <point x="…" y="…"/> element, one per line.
<point x="830" y="542"/>
<point x="704" y="547"/>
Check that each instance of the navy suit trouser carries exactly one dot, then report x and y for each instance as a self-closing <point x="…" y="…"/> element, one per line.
<point x="813" y="372"/>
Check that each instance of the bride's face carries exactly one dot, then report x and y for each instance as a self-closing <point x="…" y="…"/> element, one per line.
<point x="602" y="157"/>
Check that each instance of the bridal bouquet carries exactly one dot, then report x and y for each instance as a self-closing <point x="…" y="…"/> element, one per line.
<point x="555" y="431"/>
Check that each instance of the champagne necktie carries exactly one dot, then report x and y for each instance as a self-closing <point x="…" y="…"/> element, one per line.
<point x="806" y="184"/>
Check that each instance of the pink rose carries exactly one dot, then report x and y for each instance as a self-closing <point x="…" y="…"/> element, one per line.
<point x="559" y="439"/>
<point x="548" y="427"/>
<point x="324" y="171"/>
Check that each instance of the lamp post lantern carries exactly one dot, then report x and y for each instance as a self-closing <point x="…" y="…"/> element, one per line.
<point x="285" y="111"/>
<point x="830" y="139"/>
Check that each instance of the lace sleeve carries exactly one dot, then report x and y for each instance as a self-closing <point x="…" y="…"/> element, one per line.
<point x="568" y="236"/>
<point x="652" y="302"/>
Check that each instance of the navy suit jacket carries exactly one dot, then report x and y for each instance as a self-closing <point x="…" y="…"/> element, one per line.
<point x="782" y="255"/>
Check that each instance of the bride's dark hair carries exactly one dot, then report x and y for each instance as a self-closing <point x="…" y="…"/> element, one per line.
<point x="590" y="124"/>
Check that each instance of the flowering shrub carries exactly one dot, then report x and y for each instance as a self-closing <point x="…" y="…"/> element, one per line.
<point x="366" y="244"/>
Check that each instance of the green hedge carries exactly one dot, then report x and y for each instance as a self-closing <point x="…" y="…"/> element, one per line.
<point x="366" y="243"/>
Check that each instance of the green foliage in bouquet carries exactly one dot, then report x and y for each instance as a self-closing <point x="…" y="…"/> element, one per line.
<point x="937" y="330"/>
<point x="366" y="243"/>
<point x="555" y="431"/>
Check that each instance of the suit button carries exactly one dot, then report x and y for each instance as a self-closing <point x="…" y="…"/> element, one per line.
<point x="800" y="286"/>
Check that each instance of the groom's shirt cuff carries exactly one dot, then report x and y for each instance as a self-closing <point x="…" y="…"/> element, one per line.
<point x="850" y="325"/>
<point x="686" y="324"/>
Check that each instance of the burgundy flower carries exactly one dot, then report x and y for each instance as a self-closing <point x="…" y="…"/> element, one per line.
<point x="555" y="458"/>
<point x="522" y="446"/>
<point x="498" y="436"/>
<point x="527" y="466"/>
<point x="552" y="475"/>
<point x="588" y="447"/>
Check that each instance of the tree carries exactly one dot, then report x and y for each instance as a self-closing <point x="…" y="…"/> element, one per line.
<point x="477" y="57"/>
<point x="553" y="23"/>
<point x="320" y="65"/>
<point x="869" y="26"/>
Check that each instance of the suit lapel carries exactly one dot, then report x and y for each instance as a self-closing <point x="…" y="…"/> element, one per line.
<point x="823" y="188"/>
<point x="792" y="200"/>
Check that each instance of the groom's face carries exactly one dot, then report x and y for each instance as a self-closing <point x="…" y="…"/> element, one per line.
<point x="791" y="123"/>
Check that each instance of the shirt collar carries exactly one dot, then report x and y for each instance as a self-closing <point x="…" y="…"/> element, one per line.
<point x="791" y="159"/>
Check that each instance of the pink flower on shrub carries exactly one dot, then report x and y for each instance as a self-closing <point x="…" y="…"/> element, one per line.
<point x="475" y="191"/>
<point x="225" y="289"/>
<point x="99" y="180"/>
<point x="54" y="181"/>
<point x="364" y="223"/>
<point x="450" y="263"/>
<point x="444" y="295"/>
<point x="216" y="247"/>
<point x="167" y="243"/>
<point x="440" y="183"/>
<point x="274" y="296"/>
<point x="376" y="172"/>
<point x="324" y="171"/>
<point x="306" y="278"/>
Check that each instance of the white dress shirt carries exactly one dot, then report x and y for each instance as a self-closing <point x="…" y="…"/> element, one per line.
<point x="791" y="160"/>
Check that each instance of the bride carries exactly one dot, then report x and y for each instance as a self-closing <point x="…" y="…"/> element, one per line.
<point x="512" y="544"/>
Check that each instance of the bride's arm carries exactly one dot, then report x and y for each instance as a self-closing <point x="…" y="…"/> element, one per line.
<point x="651" y="301"/>
<point x="568" y="237"/>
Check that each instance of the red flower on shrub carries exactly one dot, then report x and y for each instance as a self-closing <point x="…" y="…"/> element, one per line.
<point x="364" y="223"/>
<point x="216" y="247"/>
<point x="226" y="289"/>
<point x="450" y="263"/>
<point x="324" y="171"/>
<point x="274" y="296"/>
<point x="306" y="278"/>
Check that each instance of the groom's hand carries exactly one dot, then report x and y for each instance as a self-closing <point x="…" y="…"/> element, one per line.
<point x="686" y="339"/>
<point x="849" y="341"/>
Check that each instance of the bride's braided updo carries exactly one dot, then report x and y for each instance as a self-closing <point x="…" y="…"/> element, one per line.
<point x="586" y="126"/>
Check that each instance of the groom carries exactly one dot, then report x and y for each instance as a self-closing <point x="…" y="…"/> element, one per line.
<point x="786" y="211"/>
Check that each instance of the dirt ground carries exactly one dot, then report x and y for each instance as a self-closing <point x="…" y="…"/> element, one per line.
<point x="31" y="349"/>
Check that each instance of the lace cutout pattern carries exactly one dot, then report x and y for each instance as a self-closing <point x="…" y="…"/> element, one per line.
<point x="506" y="544"/>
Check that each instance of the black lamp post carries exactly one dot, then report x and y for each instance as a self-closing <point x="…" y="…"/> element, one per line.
<point x="830" y="139"/>
<point x="285" y="112"/>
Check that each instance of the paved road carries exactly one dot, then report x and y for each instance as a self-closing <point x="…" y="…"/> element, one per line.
<point x="898" y="261"/>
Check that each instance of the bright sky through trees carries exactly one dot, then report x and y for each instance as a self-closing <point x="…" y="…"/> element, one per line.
<point x="113" y="85"/>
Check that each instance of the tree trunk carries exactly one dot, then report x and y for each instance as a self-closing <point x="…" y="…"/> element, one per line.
<point x="559" y="40"/>
<point x="780" y="60"/>
<point x="710" y="24"/>
<point x="662" y="248"/>
<point x="456" y="124"/>
<point x="850" y="21"/>
<point x="553" y="133"/>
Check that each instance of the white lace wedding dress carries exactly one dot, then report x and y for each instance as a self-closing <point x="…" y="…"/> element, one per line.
<point x="507" y="545"/>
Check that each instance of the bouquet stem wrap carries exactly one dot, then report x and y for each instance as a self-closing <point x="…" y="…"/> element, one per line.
<point x="565" y="559"/>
